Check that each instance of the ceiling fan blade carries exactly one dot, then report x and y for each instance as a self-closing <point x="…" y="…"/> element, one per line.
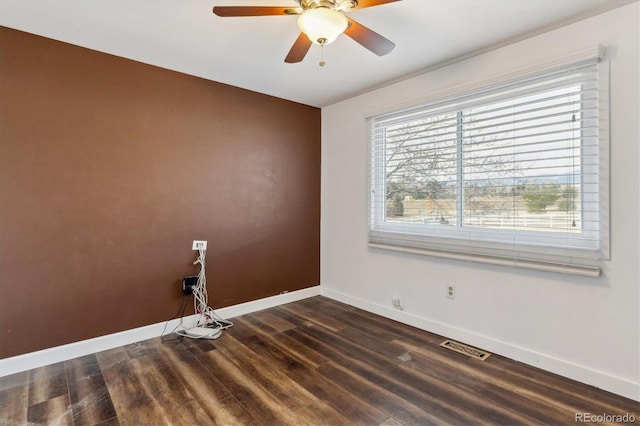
<point x="370" y="3"/>
<point x="369" y="38"/>
<point x="229" y="11"/>
<point x="298" y="50"/>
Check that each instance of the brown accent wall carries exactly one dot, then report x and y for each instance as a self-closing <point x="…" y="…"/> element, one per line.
<point x="109" y="168"/>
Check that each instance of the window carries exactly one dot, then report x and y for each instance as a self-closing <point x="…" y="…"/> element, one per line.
<point x="511" y="173"/>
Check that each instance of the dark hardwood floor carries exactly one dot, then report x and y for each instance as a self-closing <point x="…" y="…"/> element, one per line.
<point x="316" y="362"/>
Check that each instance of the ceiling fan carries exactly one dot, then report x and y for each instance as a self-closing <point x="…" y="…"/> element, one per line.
<point x="320" y="22"/>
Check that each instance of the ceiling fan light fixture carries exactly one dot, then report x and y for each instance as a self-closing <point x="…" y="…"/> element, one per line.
<point x="322" y="25"/>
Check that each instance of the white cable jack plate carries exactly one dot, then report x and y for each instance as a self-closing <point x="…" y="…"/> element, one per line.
<point x="198" y="244"/>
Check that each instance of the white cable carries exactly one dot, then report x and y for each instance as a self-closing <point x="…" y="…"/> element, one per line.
<point x="205" y="315"/>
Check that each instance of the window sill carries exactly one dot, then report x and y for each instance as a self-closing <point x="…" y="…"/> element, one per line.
<point x="587" y="271"/>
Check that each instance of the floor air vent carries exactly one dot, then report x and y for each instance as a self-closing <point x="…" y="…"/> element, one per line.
<point x="465" y="349"/>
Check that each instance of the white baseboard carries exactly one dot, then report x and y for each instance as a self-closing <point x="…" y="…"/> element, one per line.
<point x="37" y="359"/>
<point x="618" y="385"/>
<point x="268" y="302"/>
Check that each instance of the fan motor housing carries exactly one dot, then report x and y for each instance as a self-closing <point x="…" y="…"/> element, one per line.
<point x="338" y="5"/>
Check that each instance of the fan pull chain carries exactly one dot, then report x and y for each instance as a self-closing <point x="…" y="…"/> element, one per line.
<point x="322" y="63"/>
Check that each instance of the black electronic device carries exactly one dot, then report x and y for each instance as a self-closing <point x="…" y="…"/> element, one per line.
<point x="189" y="282"/>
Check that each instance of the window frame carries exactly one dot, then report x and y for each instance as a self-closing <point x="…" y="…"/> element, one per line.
<point x="497" y="246"/>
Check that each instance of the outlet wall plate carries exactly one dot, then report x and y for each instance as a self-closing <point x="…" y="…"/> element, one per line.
<point x="199" y="243"/>
<point x="451" y="291"/>
<point x="396" y="303"/>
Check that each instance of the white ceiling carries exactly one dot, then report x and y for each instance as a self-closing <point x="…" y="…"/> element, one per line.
<point x="248" y="52"/>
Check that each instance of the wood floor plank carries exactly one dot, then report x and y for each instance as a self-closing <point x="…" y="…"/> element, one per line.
<point x="347" y="348"/>
<point x="109" y="422"/>
<point x="400" y="409"/>
<point x="191" y="372"/>
<point x="241" y="329"/>
<point x="132" y="404"/>
<point x="418" y="393"/>
<point x="111" y="357"/>
<point x="443" y="398"/>
<point x="395" y="327"/>
<point x="360" y="379"/>
<point x="15" y="381"/>
<point x="252" y="325"/>
<point x="313" y="316"/>
<point x="498" y="396"/>
<point x="210" y="394"/>
<point x="88" y="393"/>
<point x="167" y="391"/>
<point x="258" y="401"/>
<point x="196" y="346"/>
<point x="389" y="350"/>
<point x="47" y="382"/>
<point x="14" y="398"/>
<point x="586" y="396"/>
<point x="361" y="322"/>
<point x="147" y="350"/>
<point x="276" y="382"/>
<point x="320" y="413"/>
<point x="291" y="347"/>
<point x="267" y="317"/>
<point x="391" y="422"/>
<point x="146" y="393"/>
<point x="54" y="411"/>
<point x="230" y="412"/>
<point x="326" y="306"/>
<point x="325" y="390"/>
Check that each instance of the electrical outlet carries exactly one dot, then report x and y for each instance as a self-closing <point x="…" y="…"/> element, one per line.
<point x="197" y="245"/>
<point x="451" y="291"/>
<point x="396" y="303"/>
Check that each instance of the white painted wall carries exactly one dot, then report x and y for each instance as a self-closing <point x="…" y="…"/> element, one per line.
<point x="584" y="328"/>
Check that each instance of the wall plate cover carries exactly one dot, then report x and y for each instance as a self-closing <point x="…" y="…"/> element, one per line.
<point x="197" y="244"/>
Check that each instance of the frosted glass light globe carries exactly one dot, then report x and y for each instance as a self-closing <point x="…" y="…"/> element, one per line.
<point x="322" y="25"/>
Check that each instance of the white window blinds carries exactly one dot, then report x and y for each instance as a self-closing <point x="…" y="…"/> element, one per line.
<point x="511" y="173"/>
